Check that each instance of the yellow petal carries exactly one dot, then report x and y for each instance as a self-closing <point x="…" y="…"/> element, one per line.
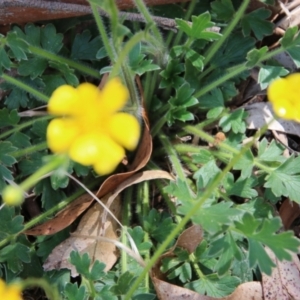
<point x="94" y="148"/>
<point x="88" y="94"/>
<point x="64" y="100"/>
<point x="125" y="130"/>
<point x="113" y="97"/>
<point x="277" y="90"/>
<point x="61" y="133"/>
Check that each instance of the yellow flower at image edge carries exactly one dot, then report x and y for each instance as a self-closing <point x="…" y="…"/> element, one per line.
<point x="90" y="127"/>
<point x="10" y="292"/>
<point x="284" y="94"/>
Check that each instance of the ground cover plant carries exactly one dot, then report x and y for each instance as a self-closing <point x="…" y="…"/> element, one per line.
<point x="131" y="162"/>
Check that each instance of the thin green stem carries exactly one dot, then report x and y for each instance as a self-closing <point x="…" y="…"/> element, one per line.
<point x="172" y="155"/>
<point x="136" y="38"/>
<point x="144" y="11"/>
<point x="25" y="87"/>
<point x="29" y="150"/>
<point x="22" y="126"/>
<point x="232" y="72"/>
<point x="71" y="63"/>
<point x="216" y="46"/>
<point x="54" y="163"/>
<point x="101" y="28"/>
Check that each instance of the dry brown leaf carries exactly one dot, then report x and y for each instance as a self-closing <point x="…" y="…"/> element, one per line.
<point x="289" y="211"/>
<point x="245" y="291"/>
<point x="24" y="11"/>
<point x="90" y="226"/>
<point x="284" y="283"/>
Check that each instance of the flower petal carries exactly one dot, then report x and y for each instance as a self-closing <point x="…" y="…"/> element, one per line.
<point x="113" y="97"/>
<point x="125" y="130"/>
<point x="64" y="101"/>
<point x="97" y="149"/>
<point x="61" y="133"/>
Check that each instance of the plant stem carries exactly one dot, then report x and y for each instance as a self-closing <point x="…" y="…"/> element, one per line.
<point x="198" y="203"/>
<point x="144" y="11"/>
<point x="102" y="31"/>
<point x="216" y="46"/>
<point x="172" y="155"/>
<point x="71" y="63"/>
<point x="25" y="87"/>
<point x="27" y="151"/>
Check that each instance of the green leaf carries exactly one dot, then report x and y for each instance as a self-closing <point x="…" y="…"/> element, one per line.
<point x="66" y="71"/>
<point x="158" y="225"/>
<point x="242" y="187"/>
<point x="73" y="292"/>
<point x="213" y="286"/>
<point x="33" y="67"/>
<point x="245" y="164"/>
<point x="206" y="173"/>
<point x="198" y="29"/>
<point x="17" y="46"/>
<point x="294" y="54"/>
<point x="261" y="232"/>
<point x="4" y="59"/>
<point x="270" y="153"/>
<point x="226" y="249"/>
<point x="14" y="255"/>
<point x="8" y="118"/>
<point x="223" y="9"/>
<point x="82" y="264"/>
<point x="31" y="163"/>
<point x="9" y="223"/>
<point x="19" y="140"/>
<point x="269" y="73"/>
<point x="50" y="40"/>
<point x="49" y="197"/>
<point x="212" y="100"/>
<point x="84" y="47"/>
<point x="124" y="282"/>
<point x="257" y="23"/>
<point x="138" y="235"/>
<point x="5" y="149"/>
<point x="291" y="37"/>
<point x="213" y="218"/>
<point x="179" y="189"/>
<point x="285" y="180"/>
<point x="233" y="51"/>
<point x="255" y="55"/>
<point x="234" y="121"/>
<point x="16" y="99"/>
<point x="203" y="157"/>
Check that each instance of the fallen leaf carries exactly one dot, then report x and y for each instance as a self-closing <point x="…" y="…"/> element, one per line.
<point x="24" y="11"/>
<point x="284" y="282"/>
<point x="84" y="239"/>
<point x="289" y="211"/>
<point x="245" y="291"/>
<point x="261" y="113"/>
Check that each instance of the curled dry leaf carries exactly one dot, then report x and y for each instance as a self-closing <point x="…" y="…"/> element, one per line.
<point x="284" y="282"/>
<point x="74" y="209"/>
<point x="97" y="223"/>
<point x="245" y="291"/>
<point x="84" y="239"/>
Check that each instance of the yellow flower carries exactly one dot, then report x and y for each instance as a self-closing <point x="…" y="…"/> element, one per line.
<point x="10" y="292"/>
<point x="284" y="94"/>
<point x="90" y="128"/>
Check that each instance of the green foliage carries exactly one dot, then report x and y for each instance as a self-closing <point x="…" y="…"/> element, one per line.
<point x="189" y="98"/>
<point x="257" y="23"/>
